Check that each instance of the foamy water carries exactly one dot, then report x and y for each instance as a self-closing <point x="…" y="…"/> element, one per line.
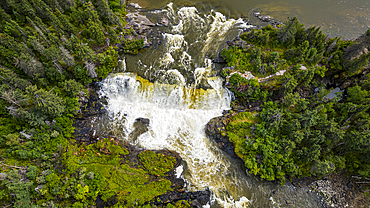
<point x="185" y="95"/>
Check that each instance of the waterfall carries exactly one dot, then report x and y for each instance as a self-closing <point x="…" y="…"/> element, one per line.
<point x="186" y="93"/>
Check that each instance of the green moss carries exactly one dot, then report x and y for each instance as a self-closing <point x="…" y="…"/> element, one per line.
<point x="156" y="164"/>
<point x="145" y="193"/>
<point x="111" y="174"/>
<point x="179" y="204"/>
<point x="239" y="130"/>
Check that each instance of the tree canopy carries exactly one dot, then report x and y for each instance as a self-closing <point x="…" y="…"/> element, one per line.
<point x="300" y="131"/>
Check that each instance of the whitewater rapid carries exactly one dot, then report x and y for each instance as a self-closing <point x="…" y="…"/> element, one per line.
<point x="186" y="94"/>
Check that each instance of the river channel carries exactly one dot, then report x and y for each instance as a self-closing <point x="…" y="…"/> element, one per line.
<point x="175" y="85"/>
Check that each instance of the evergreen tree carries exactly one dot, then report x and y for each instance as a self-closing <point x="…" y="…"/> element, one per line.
<point x="288" y="32"/>
<point x="67" y="26"/>
<point x="30" y="65"/>
<point x="96" y="33"/>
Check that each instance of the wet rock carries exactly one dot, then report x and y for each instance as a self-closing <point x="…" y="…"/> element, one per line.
<point x="139" y="22"/>
<point x="238" y="42"/>
<point x="257" y="14"/>
<point x="195" y="203"/>
<point x="219" y="59"/>
<point x="178" y="184"/>
<point x="266" y="18"/>
<point x="196" y="199"/>
<point x="302" y="182"/>
<point x="164" y="21"/>
<point x="91" y="110"/>
<point x="140" y="126"/>
<point x="136" y="6"/>
<point x="143" y="121"/>
<point x="214" y="129"/>
<point x="142" y="29"/>
<point x="201" y="197"/>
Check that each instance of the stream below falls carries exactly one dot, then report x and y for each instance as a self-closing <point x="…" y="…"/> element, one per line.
<point x="175" y="85"/>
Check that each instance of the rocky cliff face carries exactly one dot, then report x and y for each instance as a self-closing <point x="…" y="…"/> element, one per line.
<point x="213" y="131"/>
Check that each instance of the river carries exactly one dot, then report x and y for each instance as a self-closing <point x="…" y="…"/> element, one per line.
<point x="346" y="18"/>
<point x="175" y="85"/>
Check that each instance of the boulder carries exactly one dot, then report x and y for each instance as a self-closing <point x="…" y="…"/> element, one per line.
<point x="140" y="23"/>
<point x="136" y="6"/>
<point x="165" y="21"/>
<point x="266" y="18"/>
<point x="140" y="127"/>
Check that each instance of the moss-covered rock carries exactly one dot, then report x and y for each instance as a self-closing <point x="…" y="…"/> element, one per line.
<point x="156" y="164"/>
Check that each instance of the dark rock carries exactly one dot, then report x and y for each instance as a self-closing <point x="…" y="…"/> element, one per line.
<point x="302" y="182"/>
<point x="212" y="131"/>
<point x="219" y="59"/>
<point x="238" y="42"/>
<point x="178" y="184"/>
<point x="92" y="110"/>
<point x="144" y="121"/>
<point x="99" y="202"/>
<point x="196" y="199"/>
<point x="140" y="126"/>
<point x="111" y="201"/>
<point x="195" y="203"/>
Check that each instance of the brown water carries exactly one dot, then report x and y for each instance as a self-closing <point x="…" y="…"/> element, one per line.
<point x="346" y="18"/>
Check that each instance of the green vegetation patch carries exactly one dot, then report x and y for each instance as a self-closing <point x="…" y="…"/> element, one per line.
<point x="102" y="170"/>
<point x="239" y="130"/>
<point x="156" y="164"/>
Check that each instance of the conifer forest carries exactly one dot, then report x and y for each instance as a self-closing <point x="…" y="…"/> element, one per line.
<point x="286" y="120"/>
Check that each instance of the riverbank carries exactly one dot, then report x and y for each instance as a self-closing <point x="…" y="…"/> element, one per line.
<point x="236" y="131"/>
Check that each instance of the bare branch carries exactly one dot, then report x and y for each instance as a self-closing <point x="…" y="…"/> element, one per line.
<point x="91" y="68"/>
<point x="28" y="136"/>
<point x="59" y="68"/>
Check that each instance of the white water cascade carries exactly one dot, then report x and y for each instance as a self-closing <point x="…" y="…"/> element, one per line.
<point x="177" y="116"/>
<point x="179" y="106"/>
